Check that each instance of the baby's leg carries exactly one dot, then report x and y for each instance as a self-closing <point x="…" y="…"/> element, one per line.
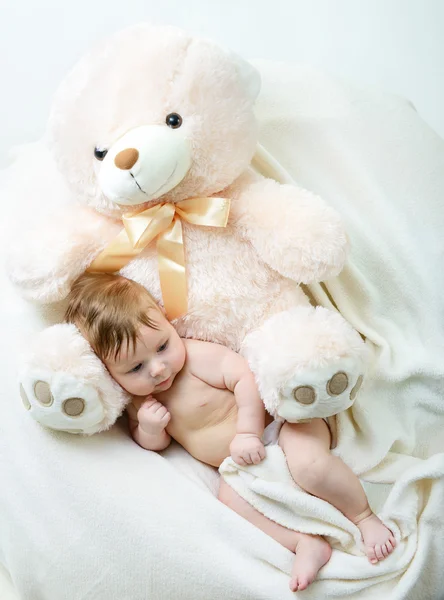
<point x="312" y="551"/>
<point x="316" y="470"/>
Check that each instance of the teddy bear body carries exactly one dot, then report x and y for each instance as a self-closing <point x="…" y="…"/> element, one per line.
<point x="217" y="262"/>
<point x="158" y="117"/>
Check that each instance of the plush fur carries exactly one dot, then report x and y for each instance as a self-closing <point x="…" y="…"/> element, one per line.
<point x="277" y="237"/>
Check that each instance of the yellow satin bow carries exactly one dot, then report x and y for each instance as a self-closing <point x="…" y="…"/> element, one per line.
<point x="163" y="221"/>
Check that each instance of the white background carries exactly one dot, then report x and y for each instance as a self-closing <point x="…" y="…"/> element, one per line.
<point x="395" y="44"/>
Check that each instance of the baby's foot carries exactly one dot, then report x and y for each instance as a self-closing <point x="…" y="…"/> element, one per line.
<point x="378" y="540"/>
<point x="312" y="553"/>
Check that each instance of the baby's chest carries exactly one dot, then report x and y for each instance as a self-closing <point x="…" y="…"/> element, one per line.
<point x="194" y="405"/>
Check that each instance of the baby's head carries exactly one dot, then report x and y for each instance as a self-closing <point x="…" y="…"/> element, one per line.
<point x="127" y="330"/>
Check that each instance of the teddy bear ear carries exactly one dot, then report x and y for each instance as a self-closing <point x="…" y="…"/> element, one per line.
<point x="248" y="74"/>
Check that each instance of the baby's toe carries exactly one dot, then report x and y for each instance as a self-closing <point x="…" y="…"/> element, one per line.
<point x="371" y="555"/>
<point x="303" y="582"/>
<point x="390" y="546"/>
<point x="294" y="584"/>
<point x="378" y="552"/>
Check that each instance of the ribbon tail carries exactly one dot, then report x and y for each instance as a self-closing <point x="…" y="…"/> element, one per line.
<point x="171" y="259"/>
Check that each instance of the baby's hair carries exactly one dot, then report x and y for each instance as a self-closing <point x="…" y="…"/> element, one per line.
<point x="109" y="310"/>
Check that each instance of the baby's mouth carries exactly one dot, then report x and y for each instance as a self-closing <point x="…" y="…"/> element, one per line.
<point x="164" y="382"/>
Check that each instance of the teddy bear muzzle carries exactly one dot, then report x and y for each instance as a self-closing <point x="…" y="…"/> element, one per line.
<point x="144" y="164"/>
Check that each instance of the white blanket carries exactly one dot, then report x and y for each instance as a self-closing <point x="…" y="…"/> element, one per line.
<point x="102" y="519"/>
<point x="270" y="488"/>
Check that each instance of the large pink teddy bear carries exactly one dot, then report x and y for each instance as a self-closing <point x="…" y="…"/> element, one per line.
<point x="156" y="119"/>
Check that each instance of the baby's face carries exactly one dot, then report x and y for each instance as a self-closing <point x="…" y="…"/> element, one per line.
<point x="155" y="361"/>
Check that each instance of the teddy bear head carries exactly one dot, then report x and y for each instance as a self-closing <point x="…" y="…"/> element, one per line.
<point x="153" y="112"/>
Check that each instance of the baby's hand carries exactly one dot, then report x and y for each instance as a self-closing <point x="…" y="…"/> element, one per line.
<point x="247" y="449"/>
<point x="153" y="417"/>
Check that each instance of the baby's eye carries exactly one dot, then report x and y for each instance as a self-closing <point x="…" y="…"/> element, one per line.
<point x="136" y="368"/>
<point x="163" y="347"/>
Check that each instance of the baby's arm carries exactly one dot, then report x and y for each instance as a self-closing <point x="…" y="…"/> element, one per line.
<point x="222" y="368"/>
<point x="247" y="446"/>
<point x="147" y="422"/>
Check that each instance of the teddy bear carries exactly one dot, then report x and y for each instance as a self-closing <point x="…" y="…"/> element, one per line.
<point x="153" y="134"/>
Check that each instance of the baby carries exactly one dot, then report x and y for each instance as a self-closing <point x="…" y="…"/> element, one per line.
<point x="205" y="397"/>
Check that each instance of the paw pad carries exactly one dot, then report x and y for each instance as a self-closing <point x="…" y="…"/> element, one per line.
<point x="337" y="384"/>
<point x="26" y="402"/>
<point x="42" y="392"/>
<point x="355" y="390"/>
<point x="73" y="407"/>
<point x="304" y="394"/>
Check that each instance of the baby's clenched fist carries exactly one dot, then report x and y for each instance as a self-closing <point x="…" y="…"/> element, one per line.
<point x="153" y="416"/>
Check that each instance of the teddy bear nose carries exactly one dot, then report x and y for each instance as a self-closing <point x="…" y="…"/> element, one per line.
<point x="126" y="159"/>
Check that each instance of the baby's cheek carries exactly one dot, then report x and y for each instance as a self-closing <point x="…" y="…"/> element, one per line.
<point x="139" y="387"/>
<point x="124" y="383"/>
<point x="128" y="384"/>
<point x="180" y="357"/>
<point x="132" y="387"/>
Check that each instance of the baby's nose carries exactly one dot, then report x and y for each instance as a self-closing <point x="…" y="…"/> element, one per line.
<point x="157" y="368"/>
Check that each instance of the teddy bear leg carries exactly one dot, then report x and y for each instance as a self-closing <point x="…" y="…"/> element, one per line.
<point x="65" y="386"/>
<point x="308" y="362"/>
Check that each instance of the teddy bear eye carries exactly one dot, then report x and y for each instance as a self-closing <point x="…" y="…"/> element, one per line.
<point x="174" y="120"/>
<point x="99" y="153"/>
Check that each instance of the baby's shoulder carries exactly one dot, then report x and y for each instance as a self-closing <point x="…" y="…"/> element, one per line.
<point x="197" y="347"/>
<point x="203" y="355"/>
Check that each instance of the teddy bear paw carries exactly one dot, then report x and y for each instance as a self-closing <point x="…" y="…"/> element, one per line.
<point x="321" y="392"/>
<point x="60" y="401"/>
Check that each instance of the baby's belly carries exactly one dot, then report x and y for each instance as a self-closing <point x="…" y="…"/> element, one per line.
<point x="211" y="445"/>
<point x="203" y="420"/>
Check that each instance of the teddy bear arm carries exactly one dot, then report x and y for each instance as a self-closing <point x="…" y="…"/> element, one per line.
<point x="293" y="230"/>
<point x="45" y="260"/>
